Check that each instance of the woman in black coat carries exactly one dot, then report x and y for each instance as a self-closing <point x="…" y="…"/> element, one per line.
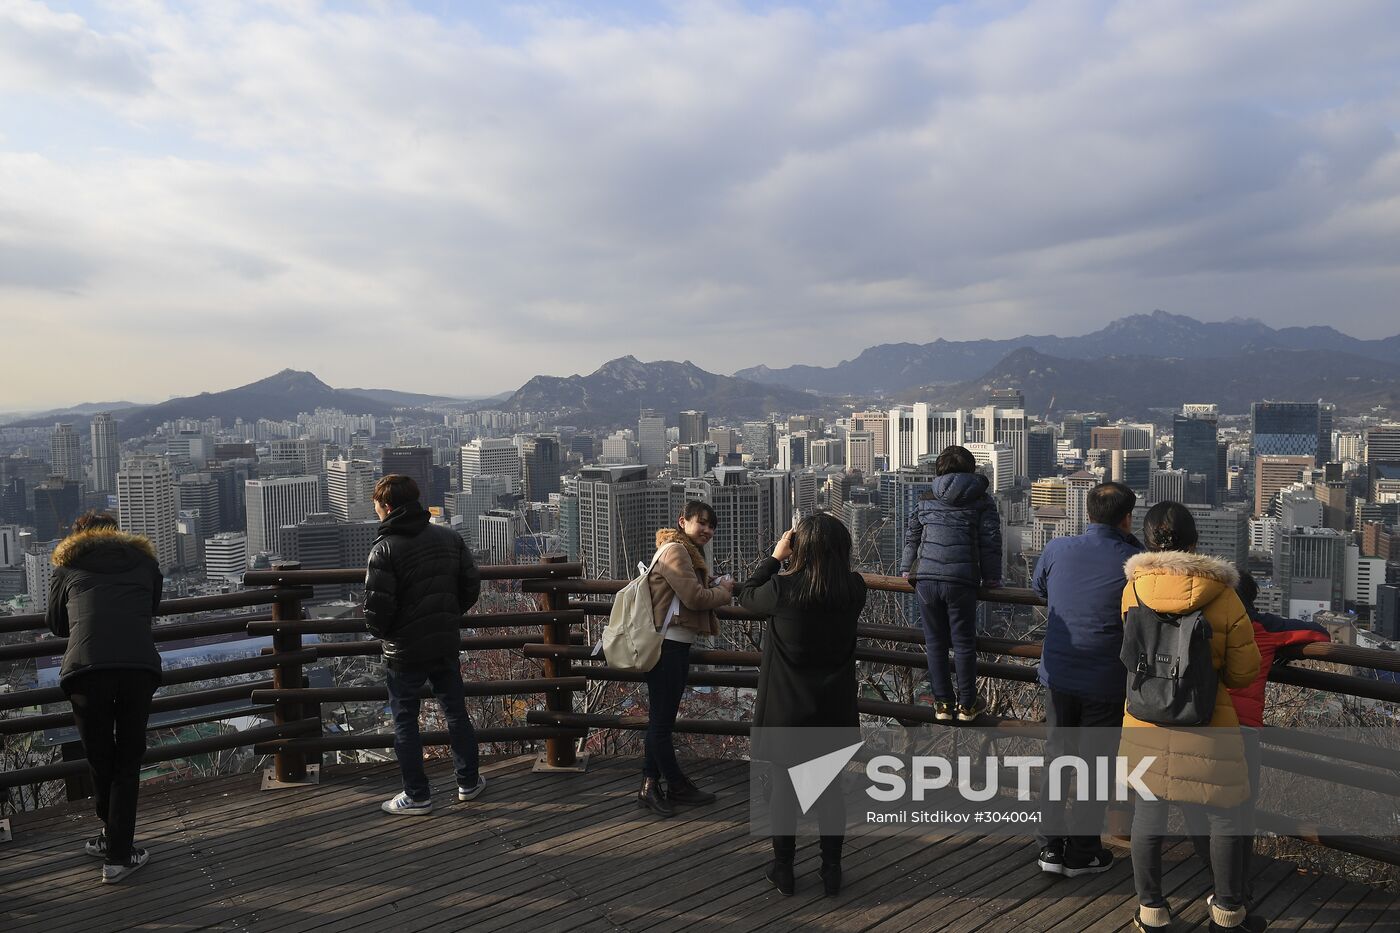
<point x="105" y="590"/>
<point x="808" y="673"/>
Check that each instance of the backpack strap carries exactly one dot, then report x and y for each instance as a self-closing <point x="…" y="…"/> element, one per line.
<point x="643" y="570"/>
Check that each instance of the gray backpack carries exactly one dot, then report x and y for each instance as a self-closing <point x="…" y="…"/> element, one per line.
<point x="1171" y="681"/>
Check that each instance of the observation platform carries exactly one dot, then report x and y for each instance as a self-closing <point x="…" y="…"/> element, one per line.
<point x="557" y="852"/>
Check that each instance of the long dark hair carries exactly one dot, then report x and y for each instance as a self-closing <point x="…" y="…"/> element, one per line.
<point x="1169" y="526"/>
<point x="820" y="572"/>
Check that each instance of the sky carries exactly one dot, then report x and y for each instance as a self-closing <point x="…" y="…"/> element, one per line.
<point x="455" y="196"/>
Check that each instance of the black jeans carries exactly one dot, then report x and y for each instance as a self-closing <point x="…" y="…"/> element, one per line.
<point x="665" y="685"/>
<point x="948" y="612"/>
<point x="830" y="808"/>
<point x="1227" y="849"/>
<point x="110" y="710"/>
<point x="405" y="702"/>
<point x="1065" y="715"/>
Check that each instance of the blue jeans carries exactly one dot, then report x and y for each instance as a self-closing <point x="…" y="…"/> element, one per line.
<point x="404" y="702"/>
<point x="948" y="613"/>
<point x="665" y="685"/>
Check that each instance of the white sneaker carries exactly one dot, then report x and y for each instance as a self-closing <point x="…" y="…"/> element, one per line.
<point x="404" y="805"/>
<point x="111" y="874"/>
<point x="471" y="793"/>
<point x="97" y="845"/>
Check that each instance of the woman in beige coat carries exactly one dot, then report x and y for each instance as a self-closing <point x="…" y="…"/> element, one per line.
<point x="1200" y="769"/>
<point x="684" y="599"/>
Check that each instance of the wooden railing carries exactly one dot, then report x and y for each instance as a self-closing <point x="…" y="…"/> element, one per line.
<point x="569" y="665"/>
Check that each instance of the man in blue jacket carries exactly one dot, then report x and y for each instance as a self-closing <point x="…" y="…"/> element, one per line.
<point x="1081" y="578"/>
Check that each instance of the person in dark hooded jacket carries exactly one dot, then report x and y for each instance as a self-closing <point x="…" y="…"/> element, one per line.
<point x="420" y="581"/>
<point x="105" y="589"/>
<point x="952" y="545"/>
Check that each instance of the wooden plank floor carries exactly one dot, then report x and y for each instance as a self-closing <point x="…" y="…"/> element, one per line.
<point x="549" y="853"/>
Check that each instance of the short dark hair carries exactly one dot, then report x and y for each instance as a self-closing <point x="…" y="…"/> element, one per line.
<point x="1110" y="503"/>
<point x="395" y="490"/>
<point x="955" y="459"/>
<point x="1248" y="590"/>
<point x="697" y="509"/>
<point x="93" y="520"/>
<point x="1169" y="526"/>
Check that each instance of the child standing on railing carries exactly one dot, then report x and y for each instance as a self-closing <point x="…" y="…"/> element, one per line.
<point x="951" y="546"/>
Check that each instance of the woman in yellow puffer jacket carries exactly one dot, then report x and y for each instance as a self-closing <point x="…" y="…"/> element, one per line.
<point x="1201" y="769"/>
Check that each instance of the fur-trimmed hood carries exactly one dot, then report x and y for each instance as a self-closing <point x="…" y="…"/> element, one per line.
<point x="676" y="536"/>
<point x="103" y="550"/>
<point x="1179" y="581"/>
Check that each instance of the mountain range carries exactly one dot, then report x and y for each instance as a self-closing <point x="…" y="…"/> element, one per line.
<point x="618" y="389"/>
<point x="889" y="368"/>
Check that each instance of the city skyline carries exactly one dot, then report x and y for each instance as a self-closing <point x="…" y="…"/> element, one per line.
<point x="845" y="174"/>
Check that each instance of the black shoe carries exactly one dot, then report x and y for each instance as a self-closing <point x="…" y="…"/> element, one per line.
<point x="683" y="791"/>
<point x="970" y="713"/>
<point x="943" y="710"/>
<point x="831" y="878"/>
<point x="1076" y="865"/>
<point x="651" y="798"/>
<point x="780" y="873"/>
<point x="1052" y="857"/>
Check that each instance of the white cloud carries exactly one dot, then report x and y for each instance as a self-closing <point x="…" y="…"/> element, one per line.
<point x="727" y="185"/>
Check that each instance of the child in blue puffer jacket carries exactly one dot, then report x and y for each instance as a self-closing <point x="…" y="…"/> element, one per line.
<point x="952" y="545"/>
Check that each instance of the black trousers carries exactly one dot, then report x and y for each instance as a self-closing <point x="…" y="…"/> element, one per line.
<point x="830" y="808"/>
<point x="665" y="686"/>
<point x="1065" y="716"/>
<point x="110" y="710"/>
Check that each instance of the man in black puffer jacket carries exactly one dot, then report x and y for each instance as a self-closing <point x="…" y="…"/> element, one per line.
<point x="421" y="580"/>
<point x="952" y="545"/>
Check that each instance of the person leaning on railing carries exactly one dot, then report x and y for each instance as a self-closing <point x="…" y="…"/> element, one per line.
<point x="807" y="677"/>
<point x="684" y="598"/>
<point x="105" y="590"/>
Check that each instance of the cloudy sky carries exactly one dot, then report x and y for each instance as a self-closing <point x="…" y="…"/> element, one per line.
<point x="454" y="196"/>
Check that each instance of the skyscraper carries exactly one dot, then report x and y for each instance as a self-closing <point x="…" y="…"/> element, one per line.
<point x="743" y="534"/>
<point x="1382" y="455"/>
<point x="491" y="455"/>
<point x="1274" y="473"/>
<point x="619" y="511"/>
<point x="350" y="489"/>
<point x="57" y="501"/>
<point x="416" y="462"/>
<point x="319" y="542"/>
<point x="761" y="442"/>
<point x="225" y="555"/>
<point x="996" y="461"/>
<point x="1310" y="568"/>
<point x="539" y="465"/>
<point x="272" y="503"/>
<point x="66" y="453"/>
<point x="1195" y="449"/>
<point x="1289" y="429"/>
<point x="198" y="492"/>
<point x="106" y="455"/>
<point x="651" y="439"/>
<point x="146" y="505"/>
<point x="1041" y="460"/>
<point x="860" y="451"/>
<point x="694" y="427"/>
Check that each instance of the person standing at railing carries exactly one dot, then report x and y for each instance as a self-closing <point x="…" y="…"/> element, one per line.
<point x="684" y="598"/>
<point x="1200" y="770"/>
<point x="808" y="674"/>
<point x="1081" y="580"/>
<point x="952" y="545"/>
<point x="104" y="592"/>
<point x="420" y="581"/>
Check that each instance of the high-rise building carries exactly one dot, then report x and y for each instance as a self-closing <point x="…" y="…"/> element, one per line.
<point x="1263" y="534"/>
<point x="776" y="487"/>
<point x="1326" y="418"/>
<point x="481" y="494"/>
<point x="619" y="447"/>
<point x="1166" y="486"/>
<point x="839" y="488"/>
<point x="694" y="460"/>
<point x="1297" y="507"/>
<point x="694" y="427"/>
<point x="198" y="494"/>
<point x="350" y="489"/>
<point x="1041" y="459"/>
<point x="1132" y="468"/>
<point x="1048" y="492"/>
<point x="761" y="442"/>
<point x="319" y="542"/>
<point x="997" y="461"/>
<point x="305" y="453"/>
<point x="66" y="453"/>
<point x="825" y="452"/>
<point x="10" y="553"/>
<point x="493" y="455"/>
<point x="146" y="505"/>
<point x="917" y="431"/>
<point x="744" y="534"/>
<point x="619" y="511"/>
<point x="1007" y="398"/>
<point x="1077" y="486"/>
<point x="272" y="503"/>
<point x="57" y="501"/>
<point x="415" y="462"/>
<point x="584" y="447"/>
<point x="38" y="572"/>
<point x="498" y="530"/>
<point x="877" y="423"/>
<point x="651" y="439"/>
<point x="1222" y="533"/>
<point x="1382" y="455"/>
<point x="106" y="453"/>
<point x="226" y="556"/>
<point x="1310" y="570"/>
<point x="726" y="441"/>
<point x="1274" y="473"/>
<point x="192" y="449"/>
<point x="540" y="465"/>
<point x="1289" y="429"/>
<point x="1386" y="619"/>
<point x="793" y="451"/>
<point x="1195" y="449"/>
<point x="860" y="451"/>
<point x="1364" y="575"/>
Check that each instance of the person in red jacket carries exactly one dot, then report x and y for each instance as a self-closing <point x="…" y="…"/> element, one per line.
<point x="1271" y="632"/>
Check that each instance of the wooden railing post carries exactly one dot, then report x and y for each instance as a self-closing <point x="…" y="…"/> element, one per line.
<point x="559" y="753"/>
<point x="288" y="767"/>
